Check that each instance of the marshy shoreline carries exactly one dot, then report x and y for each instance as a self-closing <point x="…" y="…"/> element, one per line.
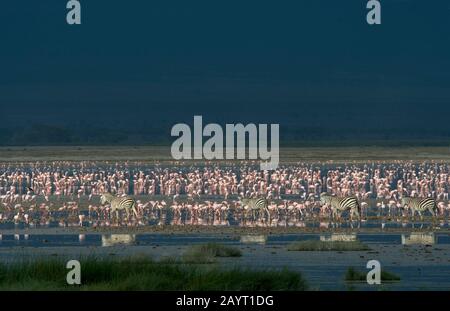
<point x="420" y="267"/>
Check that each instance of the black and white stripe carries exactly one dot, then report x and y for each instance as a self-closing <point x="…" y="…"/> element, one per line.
<point x="256" y="204"/>
<point x="121" y="203"/>
<point x="420" y="205"/>
<point x="340" y="204"/>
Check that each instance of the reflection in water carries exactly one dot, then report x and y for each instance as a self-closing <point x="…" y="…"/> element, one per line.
<point x="81" y="237"/>
<point x="88" y="240"/>
<point x="118" y="239"/>
<point x="418" y="238"/>
<point x="206" y="213"/>
<point x="259" y="239"/>
<point x="338" y="237"/>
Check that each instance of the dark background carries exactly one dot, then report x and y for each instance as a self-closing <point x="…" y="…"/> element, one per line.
<point x="135" y="68"/>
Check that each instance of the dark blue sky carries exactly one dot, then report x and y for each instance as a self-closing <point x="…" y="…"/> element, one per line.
<point x="309" y="63"/>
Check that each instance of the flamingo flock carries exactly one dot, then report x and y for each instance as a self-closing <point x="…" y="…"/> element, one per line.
<point x="80" y="179"/>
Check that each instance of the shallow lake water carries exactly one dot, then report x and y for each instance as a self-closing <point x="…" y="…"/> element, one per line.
<point x="84" y="240"/>
<point x="417" y="257"/>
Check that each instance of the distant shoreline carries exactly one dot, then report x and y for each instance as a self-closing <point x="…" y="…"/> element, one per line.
<point x="162" y="154"/>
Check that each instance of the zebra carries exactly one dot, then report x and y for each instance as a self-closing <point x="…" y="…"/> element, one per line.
<point x="117" y="204"/>
<point x="420" y="205"/>
<point x="341" y="204"/>
<point x="256" y="204"/>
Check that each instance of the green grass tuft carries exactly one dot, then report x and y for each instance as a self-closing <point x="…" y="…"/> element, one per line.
<point x="354" y="275"/>
<point x="315" y="245"/>
<point x="142" y="274"/>
<point x="207" y="253"/>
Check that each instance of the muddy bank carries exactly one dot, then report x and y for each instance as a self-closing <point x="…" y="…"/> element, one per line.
<point x="188" y="229"/>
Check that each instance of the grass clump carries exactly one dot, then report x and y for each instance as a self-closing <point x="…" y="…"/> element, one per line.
<point x="315" y="245"/>
<point x="359" y="276"/>
<point x="207" y="253"/>
<point x="142" y="274"/>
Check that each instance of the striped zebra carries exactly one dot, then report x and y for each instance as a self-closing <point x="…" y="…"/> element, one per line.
<point x="340" y="204"/>
<point x="117" y="204"/>
<point x="256" y="204"/>
<point x="420" y="205"/>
